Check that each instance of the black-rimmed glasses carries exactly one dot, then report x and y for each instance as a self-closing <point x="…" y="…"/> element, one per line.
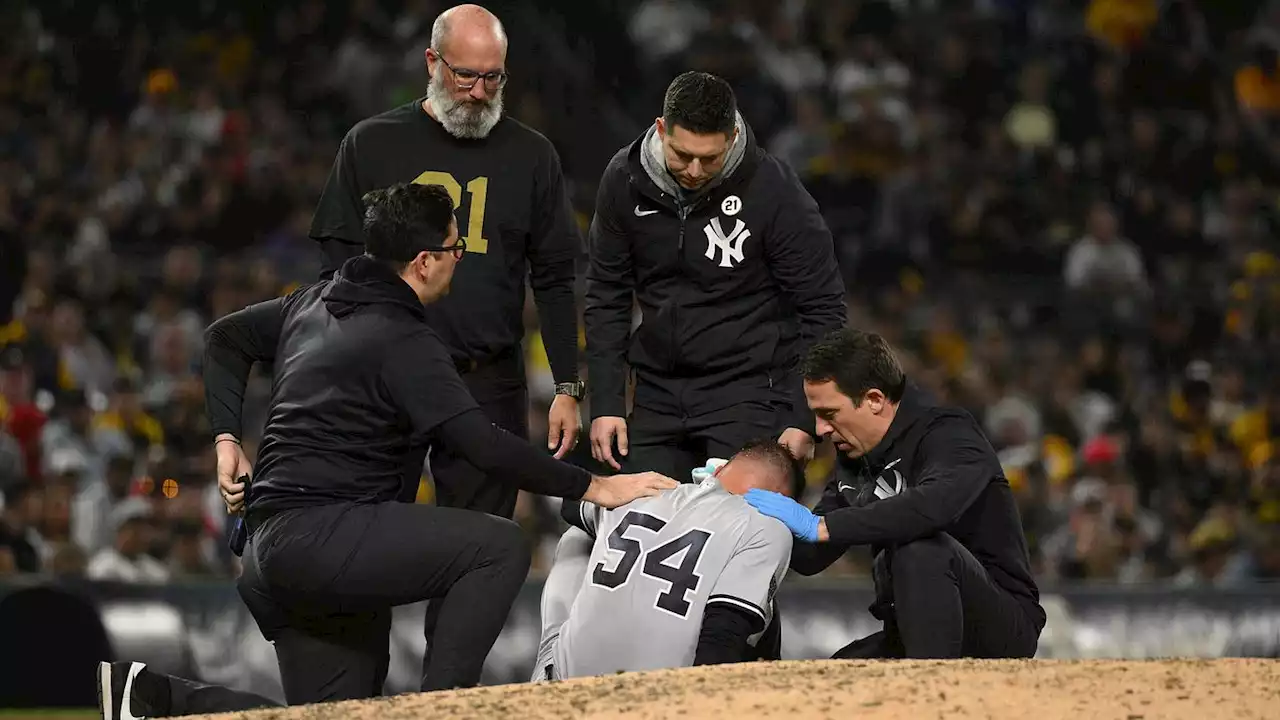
<point x="467" y="78"/>
<point x="458" y="249"/>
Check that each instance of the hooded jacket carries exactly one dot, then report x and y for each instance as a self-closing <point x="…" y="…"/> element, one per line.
<point x="362" y="387"/>
<point x="934" y="471"/>
<point x="733" y="281"/>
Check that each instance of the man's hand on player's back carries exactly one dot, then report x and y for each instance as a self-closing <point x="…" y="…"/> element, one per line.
<point x="618" y="490"/>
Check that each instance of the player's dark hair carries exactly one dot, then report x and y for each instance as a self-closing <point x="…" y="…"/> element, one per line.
<point x="776" y="454"/>
<point x="856" y="361"/>
<point x="700" y="103"/>
<point x="405" y="219"/>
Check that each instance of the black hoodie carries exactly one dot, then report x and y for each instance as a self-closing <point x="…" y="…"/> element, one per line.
<point x="934" y="471"/>
<point x="362" y="387"/>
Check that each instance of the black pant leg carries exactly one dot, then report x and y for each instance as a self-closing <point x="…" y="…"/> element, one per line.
<point x="325" y="651"/>
<point x="344" y="657"/>
<point x="169" y="696"/>
<point x="657" y="442"/>
<point x="947" y="606"/>
<point x="339" y="560"/>
<point x="459" y="484"/>
<point x="881" y="645"/>
<point x="723" y="432"/>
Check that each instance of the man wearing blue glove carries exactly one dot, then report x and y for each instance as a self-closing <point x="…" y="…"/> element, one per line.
<point x="922" y="486"/>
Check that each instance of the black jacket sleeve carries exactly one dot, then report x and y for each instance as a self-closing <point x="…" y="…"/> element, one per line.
<point x="724" y="634"/>
<point x="812" y="558"/>
<point x="499" y="454"/>
<point x="438" y="407"/>
<point x="607" y="315"/>
<point x="232" y="344"/>
<point x="338" y="223"/>
<point x="580" y="514"/>
<point x="956" y="464"/>
<point x="802" y="259"/>
<point x="553" y="253"/>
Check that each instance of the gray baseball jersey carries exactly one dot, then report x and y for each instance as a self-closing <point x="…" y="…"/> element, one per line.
<point x="655" y="566"/>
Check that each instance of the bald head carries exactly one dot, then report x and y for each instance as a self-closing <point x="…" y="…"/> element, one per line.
<point x="467" y="29"/>
<point x="467" y="63"/>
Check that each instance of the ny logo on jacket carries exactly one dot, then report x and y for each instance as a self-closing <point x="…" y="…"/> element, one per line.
<point x="730" y="245"/>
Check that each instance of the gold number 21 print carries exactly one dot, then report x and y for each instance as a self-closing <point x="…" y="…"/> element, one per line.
<point x="478" y="188"/>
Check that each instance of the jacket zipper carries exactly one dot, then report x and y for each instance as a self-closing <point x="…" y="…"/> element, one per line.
<point x="682" y="212"/>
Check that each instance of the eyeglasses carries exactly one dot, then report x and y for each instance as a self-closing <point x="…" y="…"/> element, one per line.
<point x="457" y="249"/>
<point x="467" y="78"/>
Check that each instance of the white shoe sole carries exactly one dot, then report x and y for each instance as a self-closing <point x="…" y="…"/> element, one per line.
<point x="104" y="690"/>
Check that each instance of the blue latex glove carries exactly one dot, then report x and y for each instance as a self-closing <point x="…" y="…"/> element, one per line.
<point x="799" y="519"/>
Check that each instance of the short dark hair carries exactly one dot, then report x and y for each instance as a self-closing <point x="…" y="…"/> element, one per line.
<point x="776" y="454"/>
<point x="856" y="361"/>
<point x="405" y="219"/>
<point x="701" y="103"/>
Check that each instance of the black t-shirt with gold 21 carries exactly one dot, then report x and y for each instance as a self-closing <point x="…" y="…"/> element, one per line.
<point x="513" y="214"/>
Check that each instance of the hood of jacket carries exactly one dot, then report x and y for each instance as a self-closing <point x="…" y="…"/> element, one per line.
<point x="363" y="281"/>
<point x="655" y="164"/>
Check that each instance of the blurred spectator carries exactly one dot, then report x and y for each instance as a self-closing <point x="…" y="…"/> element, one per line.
<point x="68" y="434"/>
<point x="21" y="419"/>
<point x="189" y="554"/>
<point x="20" y="541"/>
<point x="83" y="361"/>
<point x="661" y="29"/>
<point x="124" y="426"/>
<point x="869" y="80"/>
<point x="807" y="138"/>
<point x="789" y="62"/>
<point x="98" y="501"/>
<point x="1102" y="262"/>
<point x="1215" y="558"/>
<point x="127" y="558"/>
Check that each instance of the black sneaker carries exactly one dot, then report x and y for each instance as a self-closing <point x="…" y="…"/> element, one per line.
<point x="116" y="696"/>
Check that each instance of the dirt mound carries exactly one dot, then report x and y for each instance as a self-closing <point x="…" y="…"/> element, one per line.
<point x="1023" y="690"/>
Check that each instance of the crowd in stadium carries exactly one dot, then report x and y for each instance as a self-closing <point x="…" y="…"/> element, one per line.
<point x="1063" y="214"/>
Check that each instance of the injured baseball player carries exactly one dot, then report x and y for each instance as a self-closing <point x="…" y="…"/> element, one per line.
<point x="680" y="579"/>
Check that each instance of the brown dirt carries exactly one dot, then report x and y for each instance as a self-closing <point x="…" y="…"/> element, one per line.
<point x="1021" y="690"/>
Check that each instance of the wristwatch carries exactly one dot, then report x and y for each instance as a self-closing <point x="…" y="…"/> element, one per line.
<point x="575" y="389"/>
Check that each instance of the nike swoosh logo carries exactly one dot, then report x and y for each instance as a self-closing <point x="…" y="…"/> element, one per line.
<point x="842" y="487"/>
<point x="126" y="712"/>
<point x="895" y="462"/>
<point x="642" y="213"/>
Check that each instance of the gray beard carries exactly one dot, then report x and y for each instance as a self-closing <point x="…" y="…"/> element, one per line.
<point x="462" y="119"/>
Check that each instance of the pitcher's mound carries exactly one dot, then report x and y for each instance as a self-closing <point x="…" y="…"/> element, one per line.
<point x="1019" y="690"/>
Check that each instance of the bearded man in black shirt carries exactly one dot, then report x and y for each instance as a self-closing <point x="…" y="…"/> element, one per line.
<point x="514" y="216"/>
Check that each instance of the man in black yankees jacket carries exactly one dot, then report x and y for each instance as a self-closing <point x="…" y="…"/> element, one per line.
<point x="735" y="274"/>
<point x="922" y="486"/>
